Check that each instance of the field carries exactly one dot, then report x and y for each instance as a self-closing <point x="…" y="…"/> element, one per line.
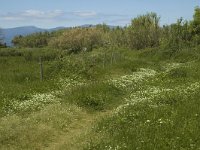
<point x="106" y="99"/>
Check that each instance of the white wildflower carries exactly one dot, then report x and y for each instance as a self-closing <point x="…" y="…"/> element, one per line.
<point x="130" y="80"/>
<point x="69" y="83"/>
<point x="37" y="101"/>
<point x="170" y="66"/>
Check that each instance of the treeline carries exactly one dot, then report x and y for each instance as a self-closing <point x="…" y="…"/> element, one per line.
<point x="143" y="32"/>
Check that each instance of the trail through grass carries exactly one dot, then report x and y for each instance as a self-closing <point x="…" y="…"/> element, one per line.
<point x="136" y="107"/>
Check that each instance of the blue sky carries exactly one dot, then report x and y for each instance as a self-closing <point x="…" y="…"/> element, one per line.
<point x="53" y="13"/>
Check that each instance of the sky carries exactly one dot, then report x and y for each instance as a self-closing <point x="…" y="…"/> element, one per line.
<point x="68" y="13"/>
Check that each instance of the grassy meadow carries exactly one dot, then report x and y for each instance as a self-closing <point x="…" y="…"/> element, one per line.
<point x="121" y="99"/>
<point x="103" y="88"/>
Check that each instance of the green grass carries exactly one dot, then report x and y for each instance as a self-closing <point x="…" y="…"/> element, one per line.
<point x="38" y="129"/>
<point x="174" y="126"/>
<point x="20" y="77"/>
<point x="100" y="99"/>
<point x="95" y="96"/>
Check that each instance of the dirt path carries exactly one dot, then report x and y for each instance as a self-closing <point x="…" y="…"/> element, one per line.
<point x="77" y="132"/>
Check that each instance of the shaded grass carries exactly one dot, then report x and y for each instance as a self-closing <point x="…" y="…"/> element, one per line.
<point x="95" y="96"/>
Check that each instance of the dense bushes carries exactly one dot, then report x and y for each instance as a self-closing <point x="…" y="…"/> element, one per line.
<point x="33" y="40"/>
<point x="10" y="52"/>
<point x="75" y="40"/>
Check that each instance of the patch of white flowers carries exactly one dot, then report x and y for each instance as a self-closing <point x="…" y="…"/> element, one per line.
<point x="142" y="96"/>
<point x="69" y="83"/>
<point x="36" y="102"/>
<point x="108" y="147"/>
<point x="168" y="67"/>
<point x="151" y="93"/>
<point x="191" y="89"/>
<point x="148" y="94"/>
<point x="128" y="80"/>
<point x="40" y="100"/>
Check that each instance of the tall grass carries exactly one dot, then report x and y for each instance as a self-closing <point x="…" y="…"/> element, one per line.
<point x="147" y="99"/>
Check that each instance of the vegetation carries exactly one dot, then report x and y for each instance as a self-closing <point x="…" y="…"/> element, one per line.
<point x="2" y="44"/>
<point x="144" y="32"/>
<point x="135" y="87"/>
<point x="76" y="40"/>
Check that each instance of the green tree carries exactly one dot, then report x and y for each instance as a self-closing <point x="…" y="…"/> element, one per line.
<point x="144" y="31"/>
<point x="196" y="21"/>
<point x="195" y="26"/>
<point x="177" y="35"/>
<point x="2" y="44"/>
<point x="18" y="41"/>
<point x="104" y="27"/>
<point x="1" y="36"/>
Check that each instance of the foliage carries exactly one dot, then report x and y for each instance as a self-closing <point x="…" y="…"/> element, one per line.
<point x="76" y="40"/>
<point x="177" y="36"/>
<point x="144" y="31"/>
<point x="119" y="37"/>
<point x="10" y="52"/>
<point x="196" y="26"/>
<point x="2" y="44"/>
<point x="33" y="40"/>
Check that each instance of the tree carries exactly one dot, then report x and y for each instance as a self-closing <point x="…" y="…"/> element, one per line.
<point x="195" y="26"/>
<point x="17" y="41"/>
<point x="1" y="37"/>
<point x="196" y="21"/>
<point x="144" y="31"/>
<point x="104" y="27"/>
<point x="2" y="44"/>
